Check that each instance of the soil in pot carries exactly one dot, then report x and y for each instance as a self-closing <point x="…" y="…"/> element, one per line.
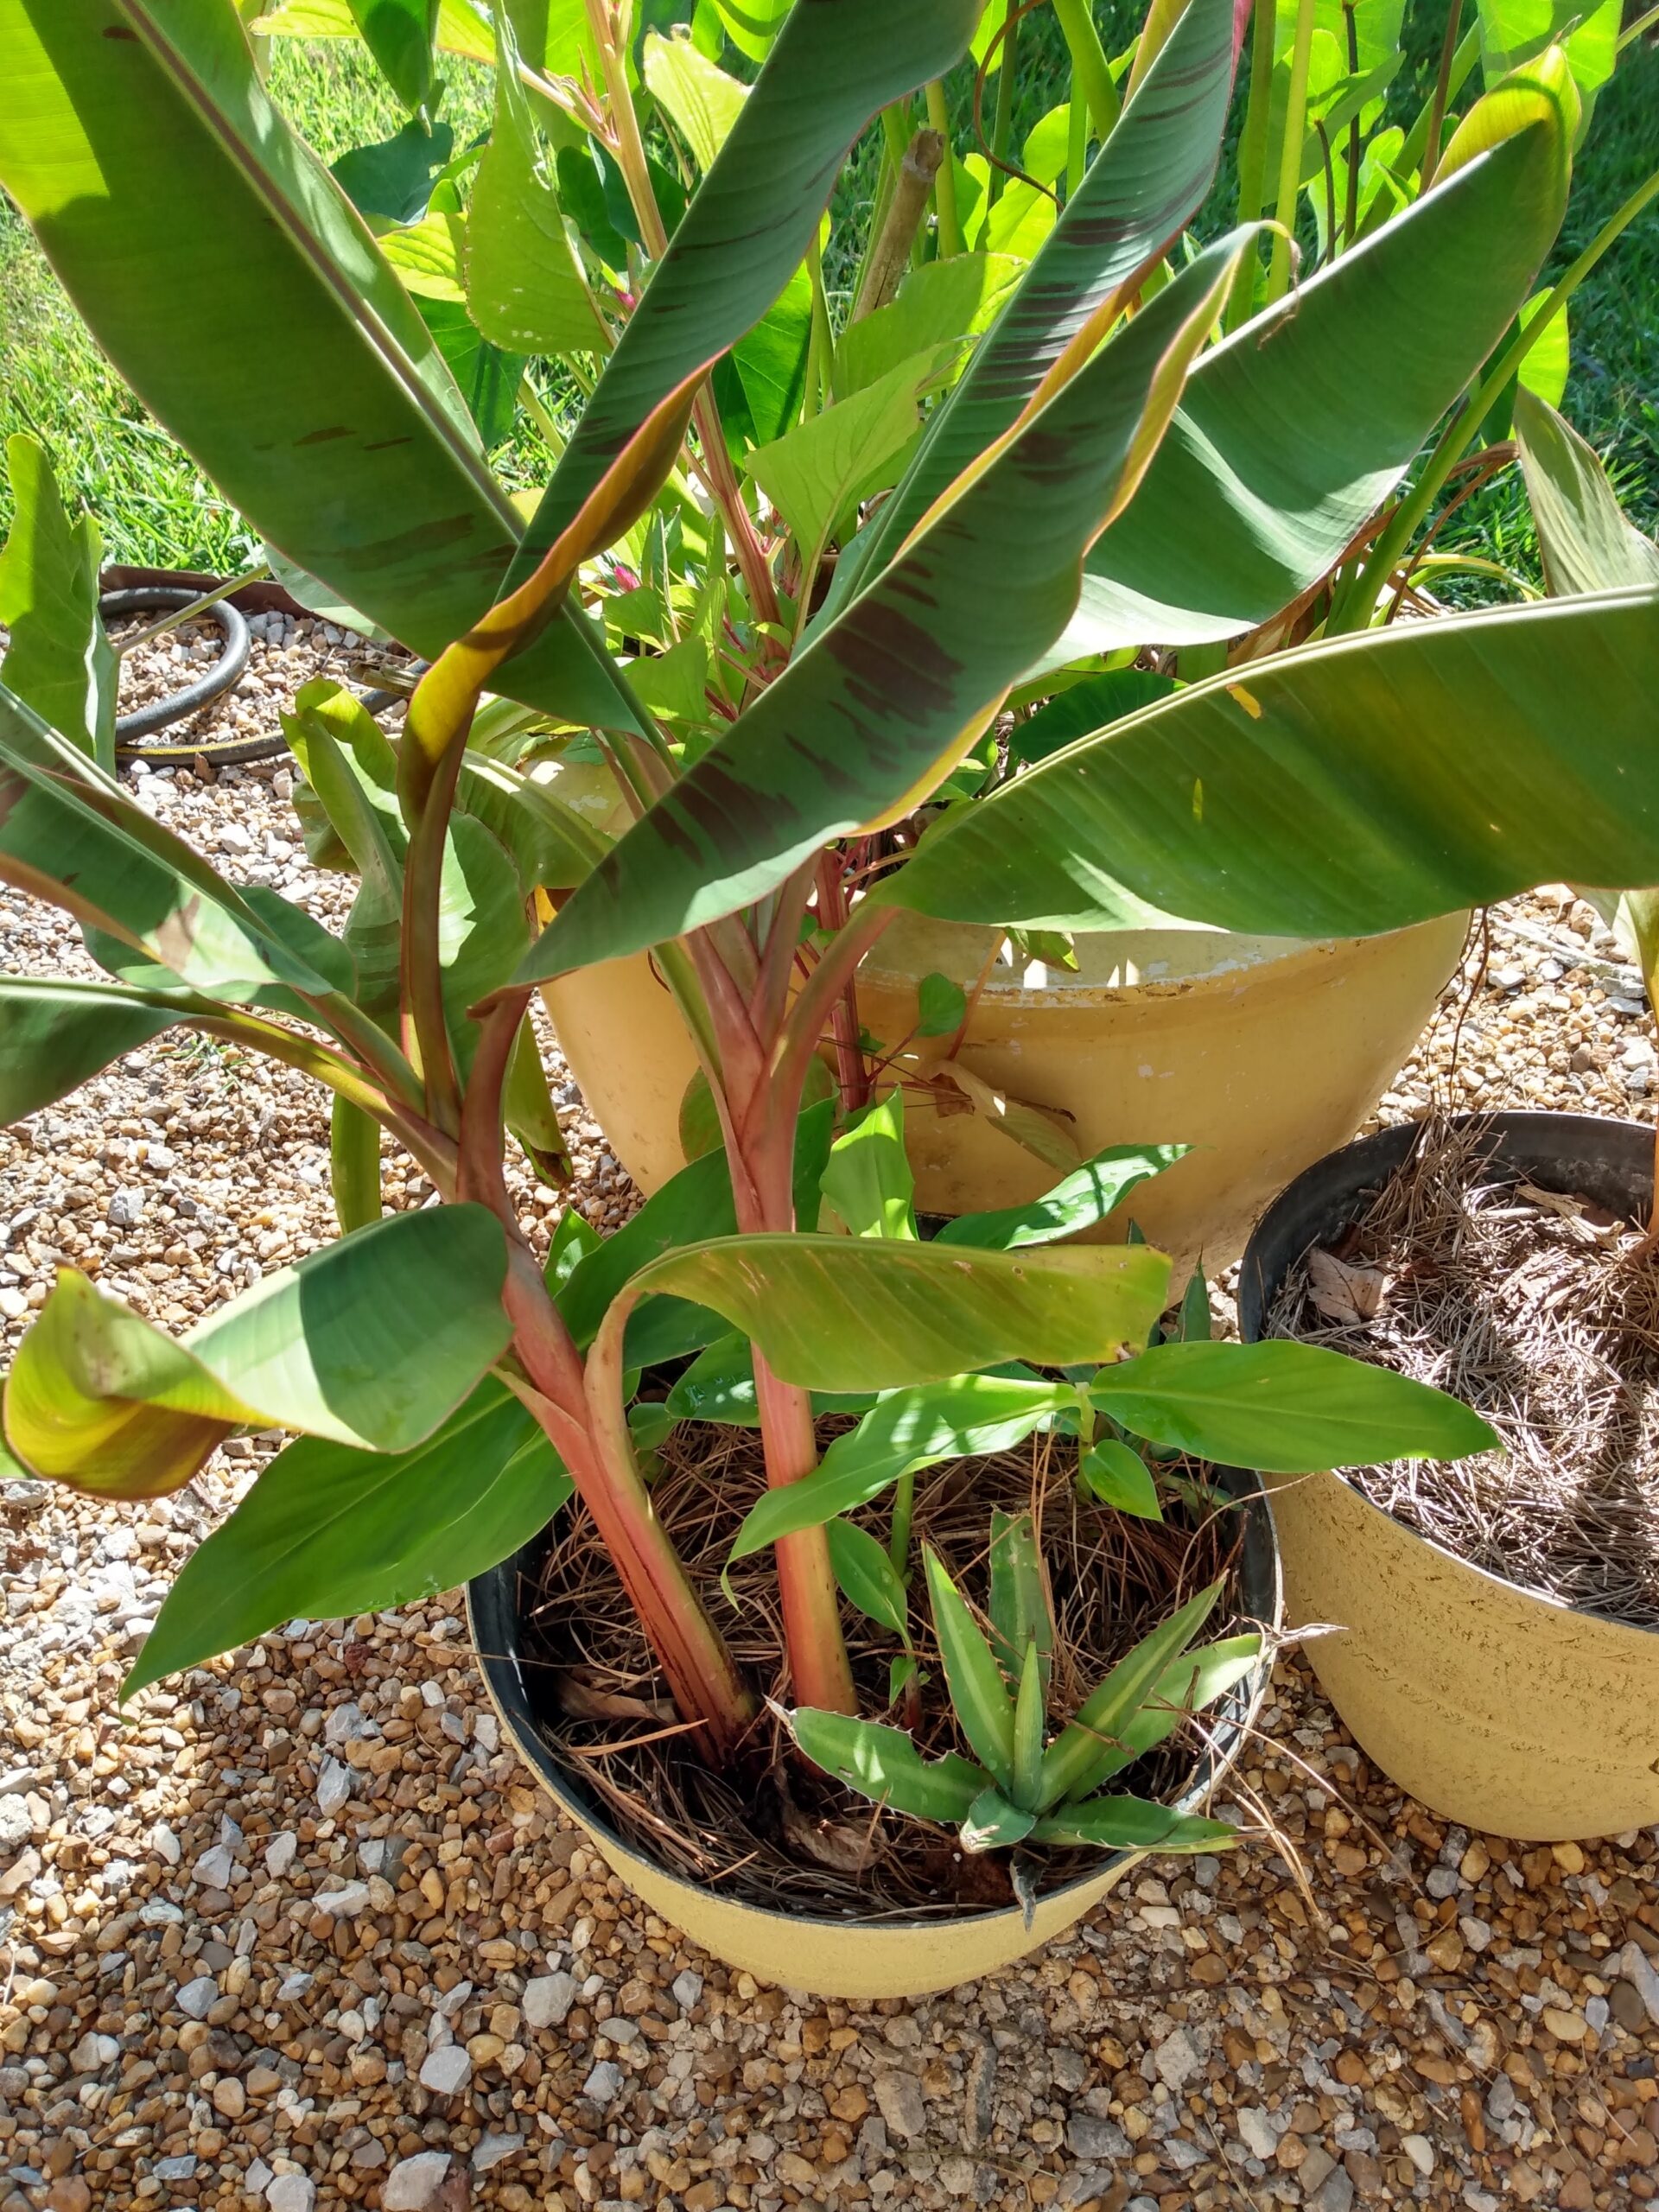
<point x="1541" y="1311"/>
<point x="779" y="1835"/>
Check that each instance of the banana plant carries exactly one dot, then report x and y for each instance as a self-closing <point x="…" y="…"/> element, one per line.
<point x="1316" y="791"/>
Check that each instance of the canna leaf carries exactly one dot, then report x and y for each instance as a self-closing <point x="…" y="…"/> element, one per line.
<point x="885" y="1765"/>
<point x="1118" y="1477"/>
<point x="1081" y="1200"/>
<point x="868" y="1179"/>
<point x="903" y="1431"/>
<point x="1286" y="1408"/>
<point x="979" y="1696"/>
<point x="1073" y="1763"/>
<point x="867" y="1578"/>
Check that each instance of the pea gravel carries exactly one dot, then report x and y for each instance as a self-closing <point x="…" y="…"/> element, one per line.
<point x="302" y="1934"/>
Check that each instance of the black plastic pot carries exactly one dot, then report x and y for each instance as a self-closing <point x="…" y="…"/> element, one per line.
<point x="848" y="1957"/>
<point x="1494" y="1705"/>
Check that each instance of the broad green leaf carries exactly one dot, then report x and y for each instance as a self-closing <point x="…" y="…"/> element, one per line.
<point x="1019" y="1609"/>
<point x="1294" y="430"/>
<point x="1130" y="1824"/>
<point x="427" y="255"/>
<point x="702" y="101"/>
<point x="941" y="301"/>
<point x="884" y="1764"/>
<point x="327" y="1532"/>
<point x="1352" y="787"/>
<point x="393" y="179"/>
<point x="867" y="1577"/>
<point x="1029" y="1706"/>
<point x="1072" y="1765"/>
<point x="750" y="223"/>
<point x="978" y="1697"/>
<point x="1586" y="541"/>
<point x="399" y="35"/>
<point x="572" y="1242"/>
<point x="839" y="1313"/>
<point x="866" y="1178"/>
<point x="1195" y="1324"/>
<point x="58" y="659"/>
<point x="1086" y="707"/>
<point x="1120" y="1477"/>
<point x="1080" y="1201"/>
<point x="1188" y="1684"/>
<point x="691" y="1206"/>
<point x="882" y="701"/>
<point x="70" y="833"/>
<point x="462" y="27"/>
<point x="482" y="928"/>
<point x="941" y="1006"/>
<point x="1286" y="1408"/>
<point x="817" y="472"/>
<point x="760" y="382"/>
<point x="1515" y="31"/>
<point x="1148" y="179"/>
<point x="719" y="1386"/>
<point x="968" y="1417"/>
<point x="752" y="25"/>
<point x="372" y="1341"/>
<point x="992" y="1822"/>
<point x="487" y="378"/>
<point x="528" y="1109"/>
<point x="365" y="472"/>
<point x="674" y="684"/>
<point x="1546" y="369"/>
<point x="54" y="1035"/>
<point x="523" y="286"/>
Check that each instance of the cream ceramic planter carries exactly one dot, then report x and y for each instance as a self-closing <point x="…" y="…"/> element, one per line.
<point x="1260" y="1053"/>
<point x="1495" y="1707"/>
<point x="848" y="1957"/>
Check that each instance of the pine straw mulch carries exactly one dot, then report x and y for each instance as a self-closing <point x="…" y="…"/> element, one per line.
<point x="1539" y="1310"/>
<point x="780" y="1835"/>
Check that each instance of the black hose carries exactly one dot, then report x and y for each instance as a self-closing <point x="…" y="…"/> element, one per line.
<point x="226" y="670"/>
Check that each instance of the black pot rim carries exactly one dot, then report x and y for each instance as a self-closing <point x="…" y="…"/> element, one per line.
<point x="1345" y="1179"/>
<point x="493" y="1617"/>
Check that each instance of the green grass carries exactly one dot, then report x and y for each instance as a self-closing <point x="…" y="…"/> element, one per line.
<point x="155" y="508"/>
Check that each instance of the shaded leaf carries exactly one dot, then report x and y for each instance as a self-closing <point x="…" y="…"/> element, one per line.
<point x="54" y="1035"/>
<point x="328" y="1532"/>
<point x="867" y="1577"/>
<point x="866" y="1178"/>
<point x="1120" y="1477"/>
<point x="1286" y="1408"/>
<point x="978" y="1697"/>
<point x="992" y="1822"/>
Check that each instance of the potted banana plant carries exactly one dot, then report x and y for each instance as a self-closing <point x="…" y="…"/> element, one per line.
<point x="1029" y="1051"/>
<point x="436" y="1373"/>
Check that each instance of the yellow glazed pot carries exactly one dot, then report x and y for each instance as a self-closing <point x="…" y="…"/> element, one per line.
<point x="846" y="1957"/>
<point x="1495" y="1707"/>
<point x="1261" y="1053"/>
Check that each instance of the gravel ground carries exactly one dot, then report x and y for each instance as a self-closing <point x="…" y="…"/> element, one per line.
<point x="304" y="1935"/>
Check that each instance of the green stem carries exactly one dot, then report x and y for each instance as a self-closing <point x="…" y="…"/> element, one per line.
<point x="1077" y="145"/>
<point x="904" y="1509"/>
<point x="353" y="1165"/>
<point x="1357" y="605"/>
<point x="1003" y="128"/>
<point x="531" y="400"/>
<point x="1290" y="153"/>
<point x="1089" y="68"/>
<point x="1253" y="158"/>
<point x="1410" y="156"/>
<point x="944" y="181"/>
<point x="1437" y="105"/>
<point x="820" y="346"/>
